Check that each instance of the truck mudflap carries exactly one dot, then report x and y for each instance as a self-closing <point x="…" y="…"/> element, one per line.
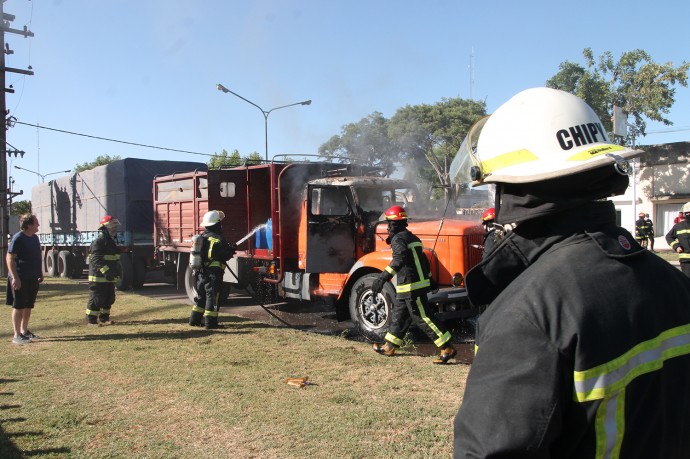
<point x="452" y="303"/>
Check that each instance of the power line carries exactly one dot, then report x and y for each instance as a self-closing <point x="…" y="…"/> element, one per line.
<point x="664" y="131"/>
<point x="114" y="140"/>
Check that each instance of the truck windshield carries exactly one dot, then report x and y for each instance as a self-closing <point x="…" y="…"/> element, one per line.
<point x="374" y="201"/>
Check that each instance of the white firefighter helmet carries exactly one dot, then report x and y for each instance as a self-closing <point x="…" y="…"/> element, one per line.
<point x="686" y="208"/>
<point x="212" y="217"/>
<point x="540" y="134"/>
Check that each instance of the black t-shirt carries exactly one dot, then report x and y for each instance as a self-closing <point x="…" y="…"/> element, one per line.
<point x="28" y="252"/>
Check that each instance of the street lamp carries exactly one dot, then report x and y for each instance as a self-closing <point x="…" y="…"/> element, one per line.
<point x="220" y="87"/>
<point x="43" y="176"/>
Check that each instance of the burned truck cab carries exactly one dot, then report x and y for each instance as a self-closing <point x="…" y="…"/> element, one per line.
<point x="340" y="216"/>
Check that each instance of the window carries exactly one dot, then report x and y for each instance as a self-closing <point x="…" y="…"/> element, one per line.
<point x="328" y="201"/>
<point x="227" y="189"/>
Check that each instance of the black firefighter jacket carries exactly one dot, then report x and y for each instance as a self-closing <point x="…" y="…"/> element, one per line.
<point x="679" y="235"/>
<point x="409" y="264"/>
<point x="104" y="258"/>
<point x="584" y="351"/>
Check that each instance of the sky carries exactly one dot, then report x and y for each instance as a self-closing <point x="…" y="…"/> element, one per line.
<point x="145" y="71"/>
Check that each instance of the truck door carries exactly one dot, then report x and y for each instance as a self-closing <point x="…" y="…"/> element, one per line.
<point x="330" y="229"/>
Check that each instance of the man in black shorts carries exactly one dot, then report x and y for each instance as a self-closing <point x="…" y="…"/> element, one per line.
<point x="25" y="274"/>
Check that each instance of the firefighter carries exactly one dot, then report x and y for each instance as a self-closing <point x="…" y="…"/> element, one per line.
<point x="413" y="283"/>
<point x="104" y="272"/>
<point x="650" y="232"/>
<point x="583" y="351"/>
<point x="215" y="252"/>
<point x="678" y="238"/>
<point x="488" y="218"/>
<point x="641" y="230"/>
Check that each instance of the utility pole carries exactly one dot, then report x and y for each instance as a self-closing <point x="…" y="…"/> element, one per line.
<point x="4" y="195"/>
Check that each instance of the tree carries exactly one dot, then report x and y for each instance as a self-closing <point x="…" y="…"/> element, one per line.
<point x="366" y="142"/>
<point x="99" y="161"/>
<point x="432" y="134"/>
<point x="637" y="84"/>
<point x="221" y="159"/>
<point x="20" y="207"/>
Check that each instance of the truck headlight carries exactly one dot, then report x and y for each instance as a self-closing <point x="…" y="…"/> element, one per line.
<point x="457" y="280"/>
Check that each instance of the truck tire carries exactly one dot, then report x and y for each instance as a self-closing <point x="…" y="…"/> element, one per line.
<point x="52" y="263"/>
<point x="371" y="318"/>
<point x="190" y="284"/>
<point x="126" y="272"/>
<point x="65" y="263"/>
<point x="78" y="269"/>
<point x="138" y="272"/>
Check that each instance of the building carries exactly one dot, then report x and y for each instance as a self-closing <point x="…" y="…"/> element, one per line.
<point x="659" y="187"/>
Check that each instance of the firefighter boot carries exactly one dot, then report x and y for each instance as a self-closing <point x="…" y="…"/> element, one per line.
<point x="195" y="319"/>
<point x="211" y="322"/>
<point x="445" y="354"/>
<point x="386" y="348"/>
<point x="105" y="319"/>
<point x="91" y="320"/>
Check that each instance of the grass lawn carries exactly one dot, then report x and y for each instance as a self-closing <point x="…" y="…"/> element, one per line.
<point x="152" y="387"/>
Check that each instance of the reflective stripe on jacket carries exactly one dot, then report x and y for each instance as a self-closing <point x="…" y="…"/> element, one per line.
<point x="584" y="350"/>
<point x="104" y="258"/>
<point x="679" y="236"/>
<point x="409" y="264"/>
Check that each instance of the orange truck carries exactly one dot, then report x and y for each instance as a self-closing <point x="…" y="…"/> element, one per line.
<point x="317" y="233"/>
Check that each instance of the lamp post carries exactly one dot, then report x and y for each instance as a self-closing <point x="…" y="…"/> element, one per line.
<point x="220" y="87"/>
<point x="43" y="176"/>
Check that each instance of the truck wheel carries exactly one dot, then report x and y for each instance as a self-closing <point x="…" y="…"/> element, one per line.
<point x="190" y="284"/>
<point x="138" y="272"/>
<point x="372" y="317"/>
<point x="78" y="269"/>
<point x="126" y="272"/>
<point x="65" y="263"/>
<point x="52" y="263"/>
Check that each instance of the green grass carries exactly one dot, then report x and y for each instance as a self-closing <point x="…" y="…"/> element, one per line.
<point x="152" y="387"/>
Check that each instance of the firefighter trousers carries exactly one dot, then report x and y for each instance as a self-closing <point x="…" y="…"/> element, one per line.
<point x="208" y="286"/>
<point x="415" y="310"/>
<point x="101" y="299"/>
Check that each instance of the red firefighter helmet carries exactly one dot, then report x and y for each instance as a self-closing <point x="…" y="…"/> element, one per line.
<point x="641" y="214"/>
<point x="489" y="214"/>
<point x="396" y="213"/>
<point x="107" y="220"/>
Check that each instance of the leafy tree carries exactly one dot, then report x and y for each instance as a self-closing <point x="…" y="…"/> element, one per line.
<point x="365" y="142"/>
<point x="20" y="207"/>
<point x="433" y="134"/>
<point x="221" y="159"/>
<point x="99" y="161"/>
<point x="255" y="157"/>
<point x="637" y="84"/>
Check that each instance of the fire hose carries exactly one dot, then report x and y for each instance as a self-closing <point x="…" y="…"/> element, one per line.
<point x="254" y="297"/>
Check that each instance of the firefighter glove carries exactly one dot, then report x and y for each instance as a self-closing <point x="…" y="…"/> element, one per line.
<point x="377" y="286"/>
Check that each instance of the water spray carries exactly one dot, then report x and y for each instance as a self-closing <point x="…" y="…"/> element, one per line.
<point x="251" y="233"/>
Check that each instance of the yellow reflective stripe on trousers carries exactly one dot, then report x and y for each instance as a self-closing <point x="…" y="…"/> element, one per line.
<point x="607" y="382"/>
<point x="393" y="339"/>
<point x="443" y="338"/>
<point x="99" y="279"/>
<point x="196" y="308"/>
